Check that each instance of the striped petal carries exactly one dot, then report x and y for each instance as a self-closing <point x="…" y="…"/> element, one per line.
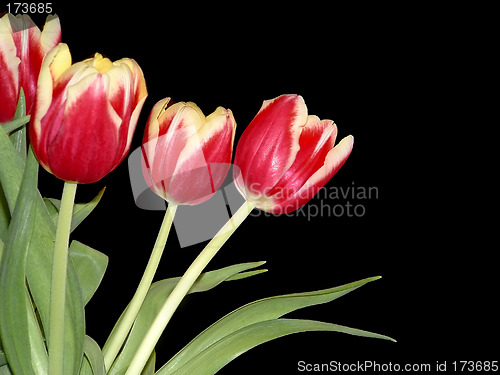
<point x="316" y="140"/>
<point x="9" y="66"/>
<point x="205" y="160"/>
<point x="90" y="151"/>
<point x="51" y="34"/>
<point x="186" y="156"/>
<point x="270" y="143"/>
<point x="334" y="160"/>
<point x="55" y="64"/>
<point x="167" y="138"/>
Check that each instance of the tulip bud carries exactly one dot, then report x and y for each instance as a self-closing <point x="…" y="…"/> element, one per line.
<point x="22" y="49"/>
<point x="286" y="156"/>
<point x="85" y="114"/>
<point x="185" y="156"/>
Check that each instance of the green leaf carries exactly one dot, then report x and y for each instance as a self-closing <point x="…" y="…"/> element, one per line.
<point x="39" y="273"/>
<point x="259" y="311"/>
<point x="155" y="298"/>
<point x="93" y="360"/>
<point x="39" y="261"/>
<point x="1" y="253"/>
<point x="18" y="136"/>
<point x="149" y="369"/>
<point x="4" y="215"/>
<point x="90" y="266"/>
<point x="212" y="359"/>
<point x="11" y="170"/>
<point x="80" y="210"/>
<point x="15" y="124"/>
<point x="20" y="334"/>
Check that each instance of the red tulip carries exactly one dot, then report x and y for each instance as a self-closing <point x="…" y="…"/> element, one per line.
<point x="286" y="156"/>
<point x="22" y="49"/>
<point x="85" y="114"/>
<point x="186" y="156"/>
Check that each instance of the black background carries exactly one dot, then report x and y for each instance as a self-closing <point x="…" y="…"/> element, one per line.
<point x="383" y="75"/>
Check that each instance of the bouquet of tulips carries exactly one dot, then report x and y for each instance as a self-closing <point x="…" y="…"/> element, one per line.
<point x="76" y="120"/>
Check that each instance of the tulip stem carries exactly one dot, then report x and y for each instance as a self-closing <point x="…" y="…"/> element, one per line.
<point x="182" y="288"/>
<point x="124" y="324"/>
<point x="58" y="282"/>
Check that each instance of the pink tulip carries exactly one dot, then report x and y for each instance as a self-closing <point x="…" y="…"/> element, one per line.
<point x="22" y="49"/>
<point x="85" y="114"/>
<point x="186" y="156"/>
<point x="285" y="156"/>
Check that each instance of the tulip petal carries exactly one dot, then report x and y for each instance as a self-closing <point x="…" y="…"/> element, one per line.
<point x="152" y="130"/>
<point x="51" y="33"/>
<point x="90" y="151"/>
<point x="127" y="94"/>
<point x="316" y="140"/>
<point x="120" y="89"/>
<point x="204" y="162"/>
<point x="167" y="133"/>
<point x="9" y="66"/>
<point x="27" y="36"/>
<point x="269" y="145"/>
<point x="133" y="99"/>
<point x="54" y="65"/>
<point x="335" y="158"/>
<point x="139" y="93"/>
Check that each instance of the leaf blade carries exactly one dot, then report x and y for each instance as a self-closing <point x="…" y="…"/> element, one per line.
<point x="94" y="356"/>
<point x="255" y="312"/>
<point x="21" y="336"/>
<point x="80" y="210"/>
<point x="11" y="170"/>
<point x="216" y="356"/>
<point x="90" y="266"/>
<point x="157" y="294"/>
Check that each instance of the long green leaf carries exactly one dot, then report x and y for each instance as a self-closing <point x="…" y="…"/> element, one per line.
<point x="80" y="210"/>
<point x="39" y="262"/>
<point x="15" y="124"/>
<point x="90" y="266"/>
<point x="38" y="272"/>
<point x="4" y="215"/>
<point x="255" y="312"/>
<point x="5" y="370"/>
<point x="18" y="136"/>
<point x="93" y="358"/>
<point x="155" y="298"/>
<point x="21" y="336"/>
<point x="1" y="253"/>
<point x="212" y="359"/>
<point x="149" y="369"/>
<point x="11" y="170"/>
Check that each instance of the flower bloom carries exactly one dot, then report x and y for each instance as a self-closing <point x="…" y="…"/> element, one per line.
<point x="85" y="114"/>
<point x="22" y="49"/>
<point x="185" y="156"/>
<point x="286" y="156"/>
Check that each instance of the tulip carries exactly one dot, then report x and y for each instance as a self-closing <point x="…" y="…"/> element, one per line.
<point x="185" y="159"/>
<point x="85" y="114"/>
<point x="22" y="49"/>
<point x="285" y="156"/>
<point x="186" y="156"/>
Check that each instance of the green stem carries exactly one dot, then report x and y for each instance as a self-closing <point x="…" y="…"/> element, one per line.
<point x="58" y="284"/>
<point x="182" y="288"/>
<point x="124" y="324"/>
